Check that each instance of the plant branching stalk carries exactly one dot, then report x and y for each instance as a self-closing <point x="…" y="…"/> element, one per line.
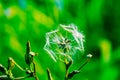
<point x="8" y="75"/>
<point x="31" y="72"/>
<point x="12" y="63"/>
<point x="70" y="75"/>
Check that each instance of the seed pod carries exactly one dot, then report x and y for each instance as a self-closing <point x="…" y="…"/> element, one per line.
<point x="11" y="63"/>
<point x="28" y="56"/>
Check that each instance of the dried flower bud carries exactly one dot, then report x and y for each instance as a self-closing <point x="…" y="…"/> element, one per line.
<point x="89" y="56"/>
<point x="11" y="63"/>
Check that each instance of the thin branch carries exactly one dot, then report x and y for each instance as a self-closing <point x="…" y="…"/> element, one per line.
<point x="35" y="71"/>
<point x="70" y="75"/>
<point x="49" y="74"/>
<point x="19" y="78"/>
<point x="3" y="77"/>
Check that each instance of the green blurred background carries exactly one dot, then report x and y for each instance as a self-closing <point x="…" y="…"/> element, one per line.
<point x="99" y="20"/>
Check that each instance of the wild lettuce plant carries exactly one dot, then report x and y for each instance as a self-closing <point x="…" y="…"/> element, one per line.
<point x="30" y="70"/>
<point x="61" y="44"/>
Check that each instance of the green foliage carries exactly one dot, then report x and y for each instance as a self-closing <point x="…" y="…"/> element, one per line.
<point x="24" y="20"/>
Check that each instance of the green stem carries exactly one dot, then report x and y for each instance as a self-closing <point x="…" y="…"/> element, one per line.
<point x="19" y="78"/>
<point x="70" y="75"/>
<point x="3" y="77"/>
<point x="68" y="64"/>
<point x="36" y="78"/>
<point x="49" y="74"/>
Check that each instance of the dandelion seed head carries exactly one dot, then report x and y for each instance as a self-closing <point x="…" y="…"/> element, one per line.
<point x="66" y="40"/>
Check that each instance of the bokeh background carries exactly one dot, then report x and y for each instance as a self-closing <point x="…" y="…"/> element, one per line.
<point x="98" y="20"/>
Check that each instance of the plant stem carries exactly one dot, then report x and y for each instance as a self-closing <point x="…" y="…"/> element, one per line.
<point x="19" y="78"/>
<point x="36" y="78"/>
<point x="49" y="74"/>
<point x="67" y="64"/>
<point x="70" y="75"/>
<point x="3" y="77"/>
